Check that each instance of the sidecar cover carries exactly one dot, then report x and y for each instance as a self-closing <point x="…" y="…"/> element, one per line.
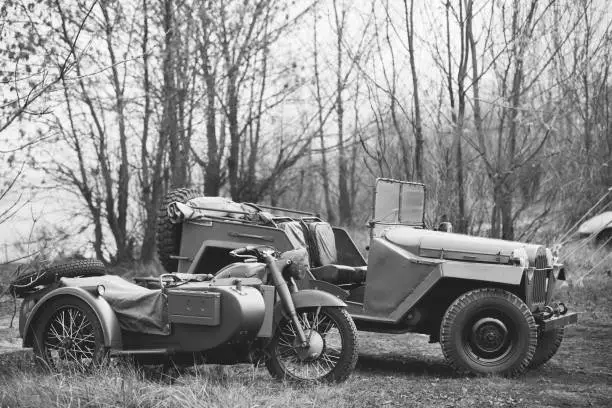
<point x="138" y="309"/>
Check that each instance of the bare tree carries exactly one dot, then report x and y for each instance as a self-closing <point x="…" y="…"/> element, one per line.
<point x="331" y="217"/>
<point x="418" y="126"/>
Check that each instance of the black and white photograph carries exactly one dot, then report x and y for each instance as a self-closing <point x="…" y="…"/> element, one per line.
<point x="316" y="203"/>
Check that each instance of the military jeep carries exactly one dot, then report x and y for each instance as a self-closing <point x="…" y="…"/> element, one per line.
<point x="488" y="302"/>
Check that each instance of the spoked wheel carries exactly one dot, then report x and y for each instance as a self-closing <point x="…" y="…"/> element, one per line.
<point x="331" y="353"/>
<point x="68" y="336"/>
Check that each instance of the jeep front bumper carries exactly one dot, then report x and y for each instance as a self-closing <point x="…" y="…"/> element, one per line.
<point x="558" y="321"/>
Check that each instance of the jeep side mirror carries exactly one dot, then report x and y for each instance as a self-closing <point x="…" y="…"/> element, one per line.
<point x="445" y="227"/>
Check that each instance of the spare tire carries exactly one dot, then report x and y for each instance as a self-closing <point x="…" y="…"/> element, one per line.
<point x="50" y="274"/>
<point x="169" y="234"/>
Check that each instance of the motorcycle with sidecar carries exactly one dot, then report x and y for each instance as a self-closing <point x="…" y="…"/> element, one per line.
<point x="490" y="303"/>
<point x="75" y="316"/>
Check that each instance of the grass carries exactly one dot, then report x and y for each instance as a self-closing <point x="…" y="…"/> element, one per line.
<point x="393" y="371"/>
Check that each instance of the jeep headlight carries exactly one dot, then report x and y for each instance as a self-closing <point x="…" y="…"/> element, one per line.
<point x="519" y="257"/>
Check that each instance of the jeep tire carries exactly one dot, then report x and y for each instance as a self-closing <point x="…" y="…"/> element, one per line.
<point x="488" y="331"/>
<point x="548" y="344"/>
<point x="45" y="276"/>
<point x="169" y="234"/>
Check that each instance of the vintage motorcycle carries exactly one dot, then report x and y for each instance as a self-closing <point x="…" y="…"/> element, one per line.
<point x="75" y="316"/>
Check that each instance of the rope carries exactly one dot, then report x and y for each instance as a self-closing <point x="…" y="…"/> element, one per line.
<point x="584" y="243"/>
<point x="580" y="280"/>
<point x="560" y="241"/>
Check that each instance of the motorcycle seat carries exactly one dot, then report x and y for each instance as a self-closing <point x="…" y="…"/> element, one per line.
<point x="340" y="274"/>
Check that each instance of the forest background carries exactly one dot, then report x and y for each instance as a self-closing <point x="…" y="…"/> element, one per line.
<point x="502" y="108"/>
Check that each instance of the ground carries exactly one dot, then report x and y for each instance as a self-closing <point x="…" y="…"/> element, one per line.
<point x="393" y="370"/>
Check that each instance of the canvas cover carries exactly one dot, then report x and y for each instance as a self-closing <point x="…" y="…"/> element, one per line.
<point x="138" y="309"/>
<point x="294" y="232"/>
<point x="204" y="207"/>
<point x="323" y="244"/>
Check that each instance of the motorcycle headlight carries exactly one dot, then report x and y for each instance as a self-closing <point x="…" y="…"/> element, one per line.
<point x="296" y="270"/>
<point x="519" y="257"/>
<point x="296" y="264"/>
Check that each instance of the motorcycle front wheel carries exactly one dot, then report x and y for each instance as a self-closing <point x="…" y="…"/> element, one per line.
<point x="331" y="354"/>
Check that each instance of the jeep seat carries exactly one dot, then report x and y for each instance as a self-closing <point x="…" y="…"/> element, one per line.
<point x="323" y="257"/>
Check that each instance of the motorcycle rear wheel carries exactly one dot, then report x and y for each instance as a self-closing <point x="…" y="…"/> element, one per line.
<point x="331" y="355"/>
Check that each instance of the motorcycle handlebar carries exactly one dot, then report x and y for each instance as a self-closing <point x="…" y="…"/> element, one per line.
<point x="238" y="251"/>
<point x="245" y="252"/>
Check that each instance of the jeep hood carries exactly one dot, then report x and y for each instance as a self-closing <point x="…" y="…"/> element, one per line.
<point x="446" y="245"/>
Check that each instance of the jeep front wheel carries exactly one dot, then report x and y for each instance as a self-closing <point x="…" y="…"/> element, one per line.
<point x="488" y="331"/>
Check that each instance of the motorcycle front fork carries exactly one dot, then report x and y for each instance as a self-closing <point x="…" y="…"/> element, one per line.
<point x="285" y="297"/>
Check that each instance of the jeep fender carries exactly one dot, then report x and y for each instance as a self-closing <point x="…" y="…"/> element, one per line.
<point x="103" y="311"/>
<point x="308" y="298"/>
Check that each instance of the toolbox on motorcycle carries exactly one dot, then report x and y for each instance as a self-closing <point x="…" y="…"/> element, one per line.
<point x="194" y="307"/>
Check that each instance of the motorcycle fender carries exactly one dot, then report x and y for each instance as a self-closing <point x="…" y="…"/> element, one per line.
<point x="308" y="298"/>
<point x="103" y="311"/>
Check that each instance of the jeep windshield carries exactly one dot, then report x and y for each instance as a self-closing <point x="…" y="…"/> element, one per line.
<point x="398" y="203"/>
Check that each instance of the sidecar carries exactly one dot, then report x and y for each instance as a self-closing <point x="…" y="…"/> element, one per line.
<point x="75" y="316"/>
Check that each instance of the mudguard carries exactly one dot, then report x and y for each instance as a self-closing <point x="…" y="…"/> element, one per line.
<point x="105" y="314"/>
<point x="412" y="277"/>
<point x="308" y="298"/>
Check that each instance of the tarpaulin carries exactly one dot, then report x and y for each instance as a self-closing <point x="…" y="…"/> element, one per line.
<point x="138" y="309"/>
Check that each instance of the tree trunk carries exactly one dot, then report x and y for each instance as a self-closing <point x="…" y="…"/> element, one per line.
<point x="147" y="249"/>
<point x="169" y="114"/>
<point x="118" y="222"/>
<point x="212" y="176"/>
<point x="344" y="203"/>
<point x="331" y="217"/>
<point x="232" y="119"/>
<point x="418" y="127"/>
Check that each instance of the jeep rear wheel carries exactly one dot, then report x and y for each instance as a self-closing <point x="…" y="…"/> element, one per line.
<point x="488" y="331"/>
<point x="548" y="344"/>
<point x="169" y="234"/>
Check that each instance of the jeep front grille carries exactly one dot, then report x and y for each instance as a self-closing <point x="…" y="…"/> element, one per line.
<point x="540" y="278"/>
<point x="540" y="285"/>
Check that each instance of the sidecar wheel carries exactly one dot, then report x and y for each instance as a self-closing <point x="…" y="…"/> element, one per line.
<point x="68" y="336"/>
<point x="331" y="355"/>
